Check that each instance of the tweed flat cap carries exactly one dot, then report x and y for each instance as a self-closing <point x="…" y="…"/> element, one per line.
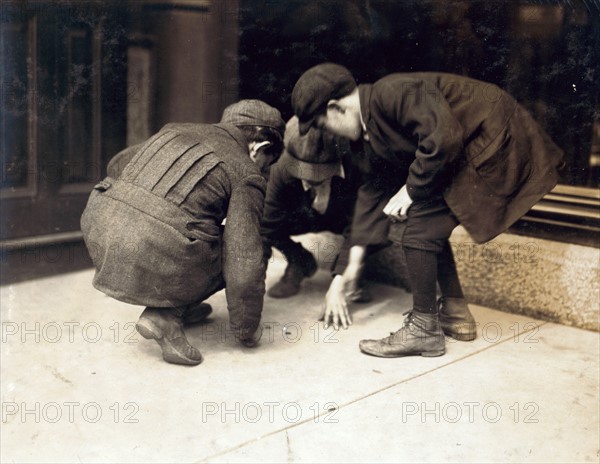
<point x="253" y="113"/>
<point x="312" y="157"/>
<point x="316" y="87"/>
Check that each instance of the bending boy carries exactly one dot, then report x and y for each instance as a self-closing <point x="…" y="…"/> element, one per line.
<point x="455" y="151"/>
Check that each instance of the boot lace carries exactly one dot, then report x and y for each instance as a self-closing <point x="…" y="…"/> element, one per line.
<point x="408" y="321"/>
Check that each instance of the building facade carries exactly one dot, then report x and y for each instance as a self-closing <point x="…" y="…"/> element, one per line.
<point x="80" y="80"/>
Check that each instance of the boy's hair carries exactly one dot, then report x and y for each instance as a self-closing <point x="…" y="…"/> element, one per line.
<point x="264" y="134"/>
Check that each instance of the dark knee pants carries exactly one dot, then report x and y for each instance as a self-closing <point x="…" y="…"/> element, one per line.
<point x="424" y="239"/>
<point x="428" y="226"/>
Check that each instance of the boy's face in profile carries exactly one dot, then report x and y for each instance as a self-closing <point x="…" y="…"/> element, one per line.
<point x="341" y="121"/>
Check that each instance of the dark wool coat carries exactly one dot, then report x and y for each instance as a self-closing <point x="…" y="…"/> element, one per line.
<point x="155" y="234"/>
<point x="444" y="134"/>
<point x="288" y="207"/>
<point x="286" y="199"/>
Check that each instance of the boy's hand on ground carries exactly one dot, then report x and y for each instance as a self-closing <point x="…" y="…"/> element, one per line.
<point x="398" y="205"/>
<point x="335" y="308"/>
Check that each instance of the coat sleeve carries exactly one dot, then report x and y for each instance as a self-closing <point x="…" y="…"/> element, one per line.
<point x="244" y="266"/>
<point x="277" y="203"/>
<point x="343" y="258"/>
<point x="370" y="226"/>
<point x="419" y="110"/>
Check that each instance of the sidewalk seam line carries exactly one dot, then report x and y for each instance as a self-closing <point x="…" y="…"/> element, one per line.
<point x="297" y="424"/>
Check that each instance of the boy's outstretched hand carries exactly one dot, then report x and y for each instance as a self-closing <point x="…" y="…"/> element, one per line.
<point x="335" y="306"/>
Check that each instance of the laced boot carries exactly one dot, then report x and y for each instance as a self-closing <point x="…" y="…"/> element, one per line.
<point x="165" y="326"/>
<point x="196" y="313"/>
<point x="456" y="319"/>
<point x="295" y="272"/>
<point x="421" y="334"/>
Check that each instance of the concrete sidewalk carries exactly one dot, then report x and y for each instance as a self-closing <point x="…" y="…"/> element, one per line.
<point x="80" y="385"/>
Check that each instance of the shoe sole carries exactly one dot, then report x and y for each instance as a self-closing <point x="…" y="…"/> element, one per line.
<point x="272" y="294"/>
<point x="425" y="354"/>
<point x="150" y="331"/>
<point x="281" y="297"/>
<point x="461" y="336"/>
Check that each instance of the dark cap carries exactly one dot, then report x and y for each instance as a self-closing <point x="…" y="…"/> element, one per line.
<point x="316" y="87"/>
<point x="312" y="157"/>
<point x="253" y="113"/>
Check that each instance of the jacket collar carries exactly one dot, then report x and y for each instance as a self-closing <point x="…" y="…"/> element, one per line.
<point x="234" y="132"/>
<point x="364" y="96"/>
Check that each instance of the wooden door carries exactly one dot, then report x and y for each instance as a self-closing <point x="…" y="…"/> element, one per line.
<point x="63" y="111"/>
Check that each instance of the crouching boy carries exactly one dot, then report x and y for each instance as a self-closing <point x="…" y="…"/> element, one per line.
<point x="166" y="208"/>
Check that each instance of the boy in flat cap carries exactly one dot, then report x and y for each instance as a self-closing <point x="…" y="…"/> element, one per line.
<point x="312" y="188"/>
<point x="154" y="230"/>
<point x="453" y="150"/>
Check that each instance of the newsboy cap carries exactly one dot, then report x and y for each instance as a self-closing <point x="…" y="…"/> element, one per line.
<point x="253" y="113"/>
<point x="316" y="87"/>
<point x="313" y="157"/>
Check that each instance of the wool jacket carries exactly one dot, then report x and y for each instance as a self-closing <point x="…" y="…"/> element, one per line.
<point x="287" y="202"/>
<point x="456" y="137"/>
<point x="155" y="230"/>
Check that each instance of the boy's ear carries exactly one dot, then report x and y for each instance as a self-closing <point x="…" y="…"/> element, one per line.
<point x="335" y="106"/>
<point x="255" y="147"/>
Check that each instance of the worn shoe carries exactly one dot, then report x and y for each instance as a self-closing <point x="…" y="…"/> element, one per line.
<point x="421" y="334"/>
<point x="165" y="326"/>
<point x="456" y="319"/>
<point x="196" y="314"/>
<point x="289" y="285"/>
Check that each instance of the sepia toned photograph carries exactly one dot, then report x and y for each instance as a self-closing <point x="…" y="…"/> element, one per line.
<point x="303" y="231"/>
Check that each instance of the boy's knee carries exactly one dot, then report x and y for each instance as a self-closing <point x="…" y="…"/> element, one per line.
<point x="423" y="244"/>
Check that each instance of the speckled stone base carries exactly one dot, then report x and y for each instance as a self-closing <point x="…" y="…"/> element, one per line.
<point x="554" y="281"/>
<point x="548" y="280"/>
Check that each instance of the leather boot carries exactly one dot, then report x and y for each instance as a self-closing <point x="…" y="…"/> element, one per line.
<point x="295" y="272"/>
<point x="456" y="319"/>
<point x="196" y="314"/>
<point x="165" y="326"/>
<point x="421" y="334"/>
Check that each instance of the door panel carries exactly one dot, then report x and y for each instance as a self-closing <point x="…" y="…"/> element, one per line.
<point x="62" y="116"/>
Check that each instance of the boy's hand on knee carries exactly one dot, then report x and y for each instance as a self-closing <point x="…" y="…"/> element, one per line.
<point x="398" y="205"/>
